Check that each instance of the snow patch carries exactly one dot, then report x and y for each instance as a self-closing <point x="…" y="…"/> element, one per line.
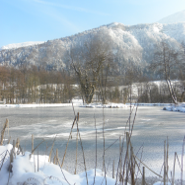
<point x="19" y="45"/>
<point x="176" y="108"/>
<point x="109" y="105"/>
<point x="23" y="172"/>
<point x="76" y="102"/>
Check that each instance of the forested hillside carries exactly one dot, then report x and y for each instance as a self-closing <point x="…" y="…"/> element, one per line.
<point x="130" y="44"/>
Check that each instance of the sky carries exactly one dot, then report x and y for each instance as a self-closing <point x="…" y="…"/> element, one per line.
<point x="42" y="20"/>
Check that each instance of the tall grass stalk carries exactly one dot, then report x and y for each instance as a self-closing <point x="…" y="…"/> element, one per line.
<point x="174" y="162"/>
<point x="182" y="156"/>
<point x="96" y="138"/>
<point x="68" y="140"/>
<point x="76" y="145"/>
<point x="82" y="152"/>
<point x="3" y="131"/>
<point x="103" y="135"/>
<point x="32" y="144"/>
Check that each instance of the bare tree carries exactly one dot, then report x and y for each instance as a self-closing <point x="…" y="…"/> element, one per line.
<point x="166" y="63"/>
<point x="88" y="59"/>
<point x="182" y="75"/>
<point x="132" y="74"/>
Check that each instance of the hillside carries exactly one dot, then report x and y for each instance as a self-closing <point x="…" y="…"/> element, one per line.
<point x="174" y="18"/>
<point x="19" y="45"/>
<point x="129" y="43"/>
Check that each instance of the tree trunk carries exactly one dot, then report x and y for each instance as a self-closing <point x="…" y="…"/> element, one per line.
<point x="172" y="93"/>
<point x="182" y="96"/>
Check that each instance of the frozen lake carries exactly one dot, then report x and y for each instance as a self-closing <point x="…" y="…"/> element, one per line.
<point x="152" y="126"/>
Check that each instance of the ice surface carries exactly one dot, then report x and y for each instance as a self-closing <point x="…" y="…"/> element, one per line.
<point x="151" y="128"/>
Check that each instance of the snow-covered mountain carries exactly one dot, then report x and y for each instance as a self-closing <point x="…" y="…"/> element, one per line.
<point x="174" y="18"/>
<point x="129" y="44"/>
<point x="19" y="45"/>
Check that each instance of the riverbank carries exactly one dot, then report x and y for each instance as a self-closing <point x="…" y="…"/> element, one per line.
<point x="167" y="106"/>
<point x="176" y="108"/>
<point x="80" y="104"/>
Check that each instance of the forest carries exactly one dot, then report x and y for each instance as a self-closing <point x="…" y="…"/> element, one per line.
<point x="37" y="85"/>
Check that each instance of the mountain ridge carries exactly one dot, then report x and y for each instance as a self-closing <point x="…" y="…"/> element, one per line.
<point x="174" y="18"/>
<point x="22" y="44"/>
<point x="134" y="43"/>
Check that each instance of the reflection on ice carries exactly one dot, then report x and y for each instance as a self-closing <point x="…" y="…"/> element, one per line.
<point x="145" y="119"/>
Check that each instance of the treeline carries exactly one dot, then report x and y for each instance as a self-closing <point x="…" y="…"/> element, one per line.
<point x="34" y="84"/>
<point x="144" y="92"/>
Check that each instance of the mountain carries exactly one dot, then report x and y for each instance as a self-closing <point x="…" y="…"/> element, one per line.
<point x="134" y="44"/>
<point x="174" y="18"/>
<point x="19" y="45"/>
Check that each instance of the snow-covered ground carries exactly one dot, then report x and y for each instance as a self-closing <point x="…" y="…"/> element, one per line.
<point x="78" y="102"/>
<point x="177" y="108"/>
<point x="29" y="169"/>
<point x="26" y="172"/>
<point x="121" y="105"/>
<point x="167" y="106"/>
<point x="152" y="104"/>
<point x="36" y="105"/>
<point x="108" y="105"/>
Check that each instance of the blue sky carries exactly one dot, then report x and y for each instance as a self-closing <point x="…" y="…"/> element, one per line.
<point x="42" y="20"/>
